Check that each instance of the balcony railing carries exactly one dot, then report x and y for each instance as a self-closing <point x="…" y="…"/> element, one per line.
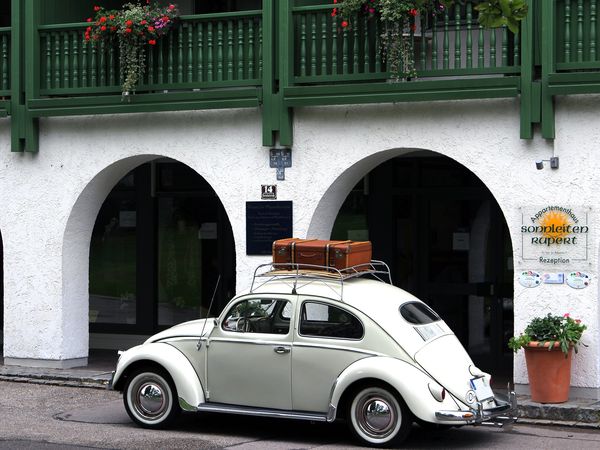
<point x="576" y="35"/>
<point x="203" y="51"/>
<point x="4" y="62"/>
<point x="450" y="44"/>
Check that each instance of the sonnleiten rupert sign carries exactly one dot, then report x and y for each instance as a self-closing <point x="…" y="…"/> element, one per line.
<point x="554" y="234"/>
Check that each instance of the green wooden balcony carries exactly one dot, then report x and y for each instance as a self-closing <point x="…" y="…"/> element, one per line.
<point x="454" y="57"/>
<point x="207" y="60"/>
<point x="295" y="53"/>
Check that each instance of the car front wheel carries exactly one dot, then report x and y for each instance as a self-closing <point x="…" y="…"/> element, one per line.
<point x="150" y="398"/>
<point x="378" y="417"/>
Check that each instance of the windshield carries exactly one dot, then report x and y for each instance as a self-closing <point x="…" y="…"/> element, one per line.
<point x="418" y="313"/>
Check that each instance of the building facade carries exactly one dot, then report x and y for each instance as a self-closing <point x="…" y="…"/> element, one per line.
<point x="118" y="215"/>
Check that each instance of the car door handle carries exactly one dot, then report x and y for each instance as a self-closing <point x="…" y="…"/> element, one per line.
<point x="281" y="350"/>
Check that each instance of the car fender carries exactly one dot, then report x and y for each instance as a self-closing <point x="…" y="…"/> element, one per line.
<point x="410" y="382"/>
<point x="187" y="383"/>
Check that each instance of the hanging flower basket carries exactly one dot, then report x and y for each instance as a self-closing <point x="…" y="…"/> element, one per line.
<point x="399" y="17"/>
<point x="135" y="27"/>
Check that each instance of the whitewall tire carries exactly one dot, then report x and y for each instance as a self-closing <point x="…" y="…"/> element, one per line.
<point x="378" y="417"/>
<point x="150" y="398"/>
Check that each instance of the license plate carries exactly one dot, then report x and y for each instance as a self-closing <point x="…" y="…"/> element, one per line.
<point x="482" y="389"/>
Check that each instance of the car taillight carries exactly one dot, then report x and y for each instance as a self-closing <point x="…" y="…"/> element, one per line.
<point x="437" y="391"/>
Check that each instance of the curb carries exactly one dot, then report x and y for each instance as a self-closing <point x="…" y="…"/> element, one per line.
<point x="90" y="383"/>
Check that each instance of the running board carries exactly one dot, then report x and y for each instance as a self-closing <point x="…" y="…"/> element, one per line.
<point x="260" y="412"/>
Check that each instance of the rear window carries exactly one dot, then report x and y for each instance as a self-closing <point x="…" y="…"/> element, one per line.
<point x="418" y="313"/>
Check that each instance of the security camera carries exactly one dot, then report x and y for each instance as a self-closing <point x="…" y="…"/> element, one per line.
<point x="539" y="165"/>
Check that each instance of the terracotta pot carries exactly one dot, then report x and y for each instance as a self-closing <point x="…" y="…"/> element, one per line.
<point x="549" y="372"/>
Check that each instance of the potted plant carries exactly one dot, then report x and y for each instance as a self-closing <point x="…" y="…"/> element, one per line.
<point x="136" y="27"/>
<point x="549" y="342"/>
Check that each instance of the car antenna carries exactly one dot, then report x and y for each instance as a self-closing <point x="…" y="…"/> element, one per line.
<point x="199" y="345"/>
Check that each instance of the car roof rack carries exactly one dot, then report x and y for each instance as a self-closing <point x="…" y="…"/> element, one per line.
<point x="301" y="275"/>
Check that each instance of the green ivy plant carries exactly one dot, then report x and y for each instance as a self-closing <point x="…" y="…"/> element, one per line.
<point x="550" y="329"/>
<point x="398" y="19"/>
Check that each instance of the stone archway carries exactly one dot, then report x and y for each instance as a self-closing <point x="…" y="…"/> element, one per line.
<point x="445" y="238"/>
<point x="76" y="250"/>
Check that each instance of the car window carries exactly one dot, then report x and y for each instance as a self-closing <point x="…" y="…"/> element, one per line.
<point x="418" y="313"/>
<point x="323" y="320"/>
<point x="259" y="316"/>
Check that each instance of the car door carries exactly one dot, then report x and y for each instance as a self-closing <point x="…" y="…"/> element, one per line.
<point x="250" y="353"/>
<point x="327" y="340"/>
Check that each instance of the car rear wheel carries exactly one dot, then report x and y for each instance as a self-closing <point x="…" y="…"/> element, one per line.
<point x="378" y="417"/>
<point x="150" y="398"/>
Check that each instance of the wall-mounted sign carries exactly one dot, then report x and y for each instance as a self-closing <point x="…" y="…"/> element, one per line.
<point x="556" y="235"/>
<point x="266" y="222"/>
<point x="553" y="278"/>
<point x="578" y="280"/>
<point x="268" y="192"/>
<point x="530" y="279"/>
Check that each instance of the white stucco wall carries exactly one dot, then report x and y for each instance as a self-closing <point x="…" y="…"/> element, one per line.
<point x="57" y="193"/>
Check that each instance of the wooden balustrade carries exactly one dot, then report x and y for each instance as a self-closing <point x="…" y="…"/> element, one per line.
<point x="202" y="51"/>
<point x="444" y="45"/>
<point x="576" y="31"/>
<point x="4" y="62"/>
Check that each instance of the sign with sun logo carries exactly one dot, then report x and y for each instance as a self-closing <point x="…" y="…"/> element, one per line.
<point x="555" y="235"/>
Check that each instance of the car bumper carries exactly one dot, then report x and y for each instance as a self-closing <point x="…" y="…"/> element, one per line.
<point x="502" y="414"/>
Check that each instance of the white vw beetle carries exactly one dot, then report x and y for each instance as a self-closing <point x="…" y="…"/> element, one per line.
<point x="314" y="344"/>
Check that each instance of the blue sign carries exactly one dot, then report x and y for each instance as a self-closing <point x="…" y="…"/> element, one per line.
<point x="266" y="222"/>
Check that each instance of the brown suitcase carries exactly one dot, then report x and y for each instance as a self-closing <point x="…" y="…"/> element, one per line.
<point x="283" y="250"/>
<point x="337" y="254"/>
<point x="350" y="254"/>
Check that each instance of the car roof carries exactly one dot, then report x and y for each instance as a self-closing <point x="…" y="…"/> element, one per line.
<point x="373" y="297"/>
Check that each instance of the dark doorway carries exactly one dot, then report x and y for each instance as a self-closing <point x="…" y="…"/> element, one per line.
<point x="446" y="241"/>
<point x="159" y="243"/>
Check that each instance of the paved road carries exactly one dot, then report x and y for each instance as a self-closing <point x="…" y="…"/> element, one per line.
<point x="53" y="418"/>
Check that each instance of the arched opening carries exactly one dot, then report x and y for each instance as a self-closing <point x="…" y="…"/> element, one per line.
<point x="158" y="245"/>
<point x="446" y="240"/>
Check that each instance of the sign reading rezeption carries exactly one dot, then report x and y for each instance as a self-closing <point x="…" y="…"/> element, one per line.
<point x="554" y="234"/>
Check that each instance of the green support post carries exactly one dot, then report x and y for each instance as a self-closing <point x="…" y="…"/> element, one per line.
<point x="32" y="72"/>
<point x="527" y="66"/>
<point x="17" y="99"/>
<point x="286" y="71"/>
<point x="268" y="73"/>
<point x="548" y="66"/>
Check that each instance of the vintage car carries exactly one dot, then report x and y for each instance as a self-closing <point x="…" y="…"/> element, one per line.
<point x="314" y="344"/>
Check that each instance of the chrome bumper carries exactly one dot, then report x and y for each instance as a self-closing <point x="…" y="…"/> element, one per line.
<point x="499" y="416"/>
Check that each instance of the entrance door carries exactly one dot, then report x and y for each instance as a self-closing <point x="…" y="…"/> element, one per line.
<point x="446" y="241"/>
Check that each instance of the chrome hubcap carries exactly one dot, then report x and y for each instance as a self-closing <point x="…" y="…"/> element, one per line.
<point x="150" y="399"/>
<point x="376" y="416"/>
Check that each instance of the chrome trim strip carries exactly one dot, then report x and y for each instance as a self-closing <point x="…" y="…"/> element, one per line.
<point x="331" y="413"/>
<point x="260" y="412"/>
<point x="246" y="341"/>
<point x="337" y="347"/>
